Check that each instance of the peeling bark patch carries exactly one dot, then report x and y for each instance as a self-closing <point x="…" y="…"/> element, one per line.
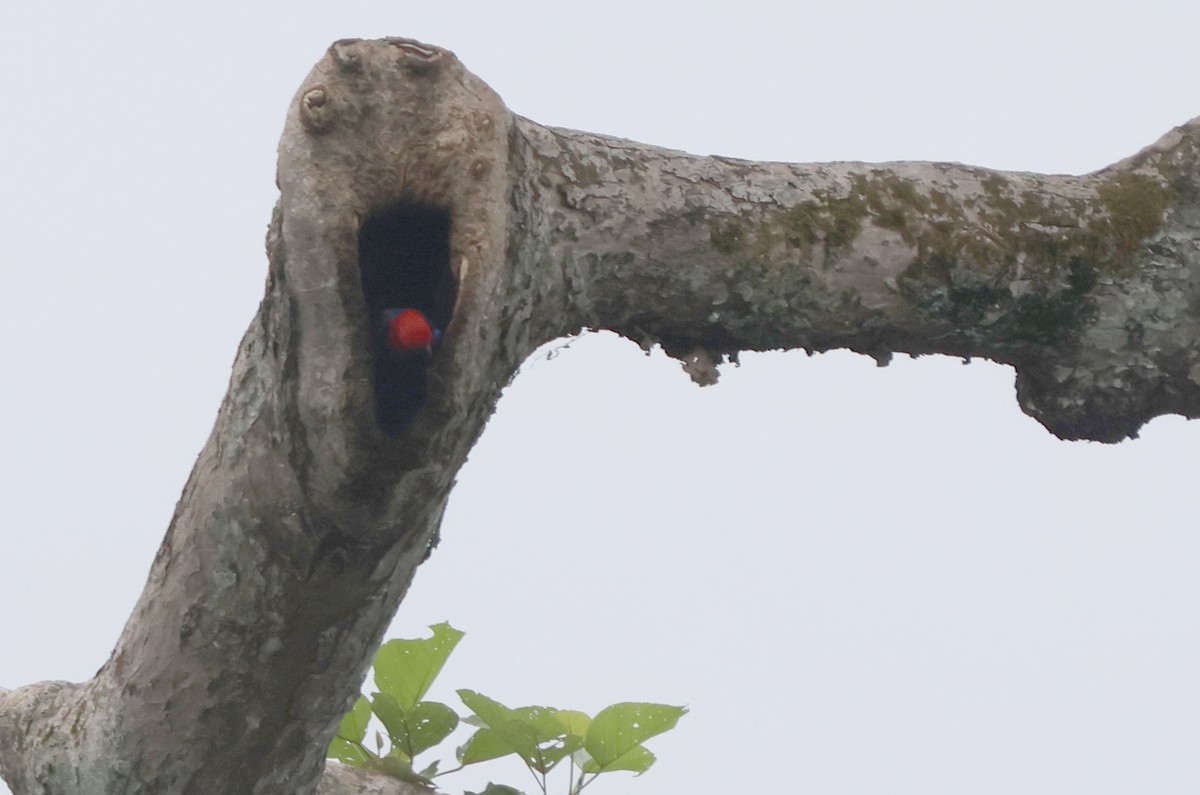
<point x="404" y="262"/>
<point x="418" y="58"/>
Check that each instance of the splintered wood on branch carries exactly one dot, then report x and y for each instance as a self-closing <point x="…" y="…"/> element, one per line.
<point x="406" y="184"/>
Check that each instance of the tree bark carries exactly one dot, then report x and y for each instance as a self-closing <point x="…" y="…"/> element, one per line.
<point x="302" y="523"/>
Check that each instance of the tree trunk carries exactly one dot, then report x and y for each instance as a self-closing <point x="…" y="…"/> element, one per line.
<point x="403" y="177"/>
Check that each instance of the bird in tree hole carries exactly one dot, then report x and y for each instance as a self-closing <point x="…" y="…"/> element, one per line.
<point x="406" y="343"/>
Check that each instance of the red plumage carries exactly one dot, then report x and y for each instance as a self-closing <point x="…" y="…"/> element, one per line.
<point x="404" y="342"/>
<point x="409" y="330"/>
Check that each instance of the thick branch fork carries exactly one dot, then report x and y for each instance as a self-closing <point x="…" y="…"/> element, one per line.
<point x="303" y="521"/>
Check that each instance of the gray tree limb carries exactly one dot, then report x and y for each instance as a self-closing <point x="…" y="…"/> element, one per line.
<point x="302" y="523"/>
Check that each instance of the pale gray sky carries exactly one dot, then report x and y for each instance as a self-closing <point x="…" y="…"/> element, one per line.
<point x="861" y="580"/>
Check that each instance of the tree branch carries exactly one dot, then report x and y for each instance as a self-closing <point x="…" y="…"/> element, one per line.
<point x="402" y="175"/>
<point x="1088" y="285"/>
<point x="302" y="523"/>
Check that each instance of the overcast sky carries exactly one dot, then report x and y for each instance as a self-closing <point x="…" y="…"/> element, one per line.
<point x="862" y="581"/>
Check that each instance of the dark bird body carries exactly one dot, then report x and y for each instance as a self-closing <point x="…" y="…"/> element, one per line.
<point x="404" y="351"/>
<point x="410" y="292"/>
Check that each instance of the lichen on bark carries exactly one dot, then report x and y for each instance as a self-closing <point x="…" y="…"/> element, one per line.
<point x="1035" y="271"/>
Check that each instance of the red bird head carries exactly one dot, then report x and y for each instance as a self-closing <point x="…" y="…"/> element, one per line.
<point x="408" y="330"/>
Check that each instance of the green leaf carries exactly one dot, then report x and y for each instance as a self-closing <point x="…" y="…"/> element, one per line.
<point x="492" y="713"/>
<point x="574" y="722"/>
<point x="394" y="720"/>
<point x="404" y="669"/>
<point x="551" y="752"/>
<point x="615" y="736"/>
<point x="354" y="723"/>
<point x="535" y="733"/>
<point x="496" y="789"/>
<point x="540" y="724"/>
<point x="531" y="725"/>
<point x="582" y="759"/>
<point x="401" y="769"/>
<point x="347" y="745"/>
<point x="417" y="729"/>
<point x="474" y="720"/>
<point x="348" y="752"/>
<point x="483" y="745"/>
<point x="638" y="759"/>
<point x="429" y="723"/>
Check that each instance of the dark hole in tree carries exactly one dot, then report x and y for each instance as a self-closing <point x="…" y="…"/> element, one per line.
<point x="404" y="258"/>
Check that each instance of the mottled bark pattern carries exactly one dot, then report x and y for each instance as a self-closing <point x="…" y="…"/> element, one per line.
<point x="302" y="524"/>
<point x="1090" y="286"/>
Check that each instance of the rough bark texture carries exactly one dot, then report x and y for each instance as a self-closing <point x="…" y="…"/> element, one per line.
<point x="302" y="523"/>
<point x="1088" y="285"/>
